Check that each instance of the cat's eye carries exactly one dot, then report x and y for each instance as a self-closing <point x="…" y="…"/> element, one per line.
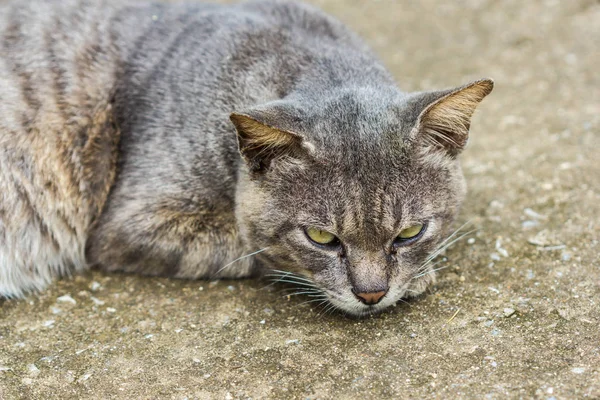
<point x="410" y="234"/>
<point x="322" y="237"/>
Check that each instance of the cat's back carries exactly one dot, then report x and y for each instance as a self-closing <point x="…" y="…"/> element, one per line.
<point x="89" y="83"/>
<point x="58" y="140"/>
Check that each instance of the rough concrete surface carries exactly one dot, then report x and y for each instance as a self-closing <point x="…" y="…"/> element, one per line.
<point x="515" y="314"/>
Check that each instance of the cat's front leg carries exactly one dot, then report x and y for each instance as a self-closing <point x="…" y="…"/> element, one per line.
<point x="151" y="241"/>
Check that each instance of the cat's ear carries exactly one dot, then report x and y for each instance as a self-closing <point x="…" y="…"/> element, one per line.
<point x="268" y="132"/>
<point x="444" y="122"/>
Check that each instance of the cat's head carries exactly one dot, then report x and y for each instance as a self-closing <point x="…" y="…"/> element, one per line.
<point x="354" y="191"/>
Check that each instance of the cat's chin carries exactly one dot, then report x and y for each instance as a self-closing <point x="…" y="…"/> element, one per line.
<point x="354" y="308"/>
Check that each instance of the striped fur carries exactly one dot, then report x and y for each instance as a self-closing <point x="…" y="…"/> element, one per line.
<point x="117" y="147"/>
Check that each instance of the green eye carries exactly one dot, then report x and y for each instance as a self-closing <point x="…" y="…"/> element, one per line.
<point x="410" y="232"/>
<point x="321" y="237"/>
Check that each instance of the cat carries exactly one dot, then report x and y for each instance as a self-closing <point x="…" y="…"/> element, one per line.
<point x="218" y="141"/>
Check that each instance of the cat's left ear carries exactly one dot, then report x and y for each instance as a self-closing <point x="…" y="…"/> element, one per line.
<point x="268" y="132"/>
<point x="445" y="121"/>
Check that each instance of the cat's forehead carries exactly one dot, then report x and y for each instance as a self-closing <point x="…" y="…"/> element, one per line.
<point x="356" y="116"/>
<point x="369" y="191"/>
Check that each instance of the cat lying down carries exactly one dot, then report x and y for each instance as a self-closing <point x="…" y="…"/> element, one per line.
<point x="211" y="141"/>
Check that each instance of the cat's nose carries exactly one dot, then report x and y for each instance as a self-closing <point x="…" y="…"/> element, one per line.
<point x="370" y="297"/>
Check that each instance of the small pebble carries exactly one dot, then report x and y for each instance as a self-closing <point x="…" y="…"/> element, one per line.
<point x="292" y="341"/>
<point x="97" y="302"/>
<point x="496" y="204"/>
<point x="66" y="299"/>
<point x="495" y="256"/>
<point x="111" y="310"/>
<point x="532" y="214"/>
<point x="529" y="224"/>
<point x="500" y="249"/>
<point x="230" y="288"/>
<point x="508" y="312"/>
<point x="69" y="377"/>
<point x="530" y="274"/>
<point x="33" y="370"/>
<point x="578" y="370"/>
<point x="471" y="240"/>
<point x="95" y="286"/>
<point x="263" y="321"/>
<point x="49" y="323"/>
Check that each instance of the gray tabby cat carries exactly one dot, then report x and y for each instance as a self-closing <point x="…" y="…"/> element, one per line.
<point x="175" y="139"/>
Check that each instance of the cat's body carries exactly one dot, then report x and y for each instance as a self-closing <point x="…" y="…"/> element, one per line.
<point x="116" y="147"/>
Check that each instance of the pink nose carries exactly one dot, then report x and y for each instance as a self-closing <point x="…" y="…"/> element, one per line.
<point x="372" y="297"/>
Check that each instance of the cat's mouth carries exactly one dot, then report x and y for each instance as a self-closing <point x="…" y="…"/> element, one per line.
<point x="344" y="300"/>
<point x="348" y="304"/>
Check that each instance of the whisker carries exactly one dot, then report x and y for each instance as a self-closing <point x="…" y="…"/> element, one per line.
<point x="236" y="260"/>
<point x="322" y="301"/>
<point x="405" y="302"/>
<point x="285" y="280"/>
<point x="286" y="273"/>
<point x="290" y="276"/>
<point x="445" y="246"/>
<point x="431" y="272"/>
<point x="310" y="293"/>
<point x="325" y="310"/>
<point x="291" y="289"/>
<point x="427" y="265"/>
<point x="332" y="309"/>
<point x="456" y="231"/>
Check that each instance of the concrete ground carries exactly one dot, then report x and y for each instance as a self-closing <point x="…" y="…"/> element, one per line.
<point x="516" y="314"/>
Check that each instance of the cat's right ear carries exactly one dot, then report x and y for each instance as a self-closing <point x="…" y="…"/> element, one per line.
<point x="265" y="135"/>
<point x="445" y="116"/>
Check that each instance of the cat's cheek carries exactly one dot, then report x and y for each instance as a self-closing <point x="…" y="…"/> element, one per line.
<point x="333" y="278"/>
<point x="420" y="285"/>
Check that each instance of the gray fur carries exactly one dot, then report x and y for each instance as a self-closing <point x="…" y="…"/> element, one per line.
<point x="117" y="148"/>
